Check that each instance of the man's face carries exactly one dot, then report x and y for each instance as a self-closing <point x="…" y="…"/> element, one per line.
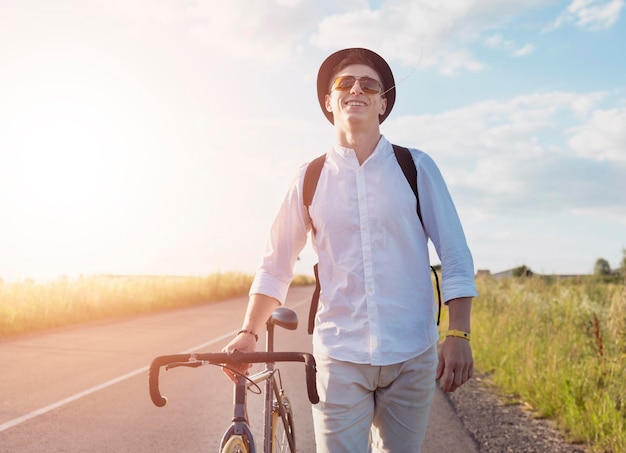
<point x="357" y="104"/>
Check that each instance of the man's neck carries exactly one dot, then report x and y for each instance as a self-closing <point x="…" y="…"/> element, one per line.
<point x="362" y="142"/>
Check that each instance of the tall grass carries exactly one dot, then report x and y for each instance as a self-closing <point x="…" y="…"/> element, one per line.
<point x="28" y="307"/>
<point x="560" y="346"/>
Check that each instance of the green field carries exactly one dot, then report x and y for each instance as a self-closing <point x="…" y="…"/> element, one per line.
<point x="560" y="347"/>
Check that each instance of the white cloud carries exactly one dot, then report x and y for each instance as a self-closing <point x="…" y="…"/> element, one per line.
<point x="508" y="155"/>
<point x="253" y="30"/>
<point x="454" y="62"/>
<point x="442" y="32"/>
<point x="432" y="34"/>
<point x="615" y="213"/>
<point x="525" y="194"/>
<point x="245" y="30"/>
<point x="496" y="41"/>
<point x="591" y="14"/>
<point x="524" y="50"/>
<point x="582" y="106"/>
<point x="401" y="31"/>
<point x="162" y="11"/>
<point x="290" y="3"/>
<point x="603" y="137"/>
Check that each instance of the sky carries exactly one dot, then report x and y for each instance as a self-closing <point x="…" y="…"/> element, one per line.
<point x="159" y="136"/>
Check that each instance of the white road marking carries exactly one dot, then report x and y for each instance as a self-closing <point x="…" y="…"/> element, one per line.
<point x="77" y="396"/>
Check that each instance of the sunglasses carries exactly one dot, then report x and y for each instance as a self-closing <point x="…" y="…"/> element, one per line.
<point x="368" y="85"/>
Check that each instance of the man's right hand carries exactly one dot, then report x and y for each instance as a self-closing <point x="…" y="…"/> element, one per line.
<point x="243" y="342"/>
<point x="260" y="308"/>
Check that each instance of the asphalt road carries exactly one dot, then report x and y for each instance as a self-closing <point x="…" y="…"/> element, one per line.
<point x="85" y="388"/>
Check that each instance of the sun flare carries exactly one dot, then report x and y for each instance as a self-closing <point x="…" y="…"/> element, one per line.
<point x="74" y="131"/>
<point x="60" y="162"/>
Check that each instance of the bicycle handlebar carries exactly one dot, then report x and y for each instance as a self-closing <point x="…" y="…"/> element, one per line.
<point x="233" y="358"/>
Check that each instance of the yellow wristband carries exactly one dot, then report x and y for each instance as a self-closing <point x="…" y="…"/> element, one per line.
<point x="458" y="333"/>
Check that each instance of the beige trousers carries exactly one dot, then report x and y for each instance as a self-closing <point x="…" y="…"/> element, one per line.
<point x="365" y="408"/>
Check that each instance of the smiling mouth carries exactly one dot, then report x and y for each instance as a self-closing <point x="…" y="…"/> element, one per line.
<point x="355" y="104"/>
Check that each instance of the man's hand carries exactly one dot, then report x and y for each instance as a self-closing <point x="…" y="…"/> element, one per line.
<point x="260" y="308"/>
<point x="243" y="342"/>
<point x="456" y="364"/>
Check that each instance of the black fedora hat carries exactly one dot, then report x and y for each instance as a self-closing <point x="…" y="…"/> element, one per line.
<point x="380" y="65"/>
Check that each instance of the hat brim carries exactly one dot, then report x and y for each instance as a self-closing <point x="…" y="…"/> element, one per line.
<point x="381" y="66"/>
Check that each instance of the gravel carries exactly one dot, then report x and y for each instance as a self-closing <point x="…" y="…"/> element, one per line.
<point x="499" y="427"/>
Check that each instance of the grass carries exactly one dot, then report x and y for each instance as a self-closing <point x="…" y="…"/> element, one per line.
<point x="28" y="306"/>
<point x="560" y="347"/>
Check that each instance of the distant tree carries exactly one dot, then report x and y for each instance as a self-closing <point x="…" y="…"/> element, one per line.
<point x="522" y="271"/>
<point x="623" y="263"/>
<point x="602" y="267"/>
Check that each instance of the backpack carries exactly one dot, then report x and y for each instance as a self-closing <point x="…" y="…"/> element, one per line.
<point x="312" y="176"/>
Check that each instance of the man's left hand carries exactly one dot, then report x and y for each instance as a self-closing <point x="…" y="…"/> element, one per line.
<point x="456" y="364"/>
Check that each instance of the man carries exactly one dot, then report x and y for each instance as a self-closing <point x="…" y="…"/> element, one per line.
<point x="375" y="340"/>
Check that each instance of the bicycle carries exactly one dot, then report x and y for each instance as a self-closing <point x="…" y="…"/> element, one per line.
<point x="278" y="426"/>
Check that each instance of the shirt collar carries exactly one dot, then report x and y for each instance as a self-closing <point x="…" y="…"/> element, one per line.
<point x="383" y="147"/>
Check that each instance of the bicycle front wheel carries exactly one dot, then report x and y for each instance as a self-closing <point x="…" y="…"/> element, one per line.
<point x="235" y="444"/>
<point x="283" y="432"/>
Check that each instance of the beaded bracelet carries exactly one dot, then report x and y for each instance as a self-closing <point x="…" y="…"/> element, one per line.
<point x="458" y="333"/>
<point x="256" y="337"/>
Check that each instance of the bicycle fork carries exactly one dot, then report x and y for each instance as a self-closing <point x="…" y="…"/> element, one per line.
<point x="239" y="426"/>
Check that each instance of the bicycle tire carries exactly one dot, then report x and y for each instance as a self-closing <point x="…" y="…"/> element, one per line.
<point x="283" y="429"/>
<point x="235" y="444"/>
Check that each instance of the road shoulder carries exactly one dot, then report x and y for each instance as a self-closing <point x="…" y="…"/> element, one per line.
<point x="499" y="427"/>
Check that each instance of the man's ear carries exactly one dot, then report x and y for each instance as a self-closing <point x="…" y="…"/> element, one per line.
<point x="383" y="105"/>
<point x="327" y="103"/>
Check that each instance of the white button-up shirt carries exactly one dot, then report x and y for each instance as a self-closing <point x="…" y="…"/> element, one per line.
<point x="377" y="304"/>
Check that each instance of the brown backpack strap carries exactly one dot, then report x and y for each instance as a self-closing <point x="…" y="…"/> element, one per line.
<point x="311" y="177"/>
<point x="405" y="160"/>
<point x="315" y="300"/>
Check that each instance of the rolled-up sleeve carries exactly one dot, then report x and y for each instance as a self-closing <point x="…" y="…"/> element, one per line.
<point x="444" y="229"/>
<point x="288" y="236"/>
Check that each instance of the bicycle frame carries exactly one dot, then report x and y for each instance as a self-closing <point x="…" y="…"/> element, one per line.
<point x="240" y="420"/>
